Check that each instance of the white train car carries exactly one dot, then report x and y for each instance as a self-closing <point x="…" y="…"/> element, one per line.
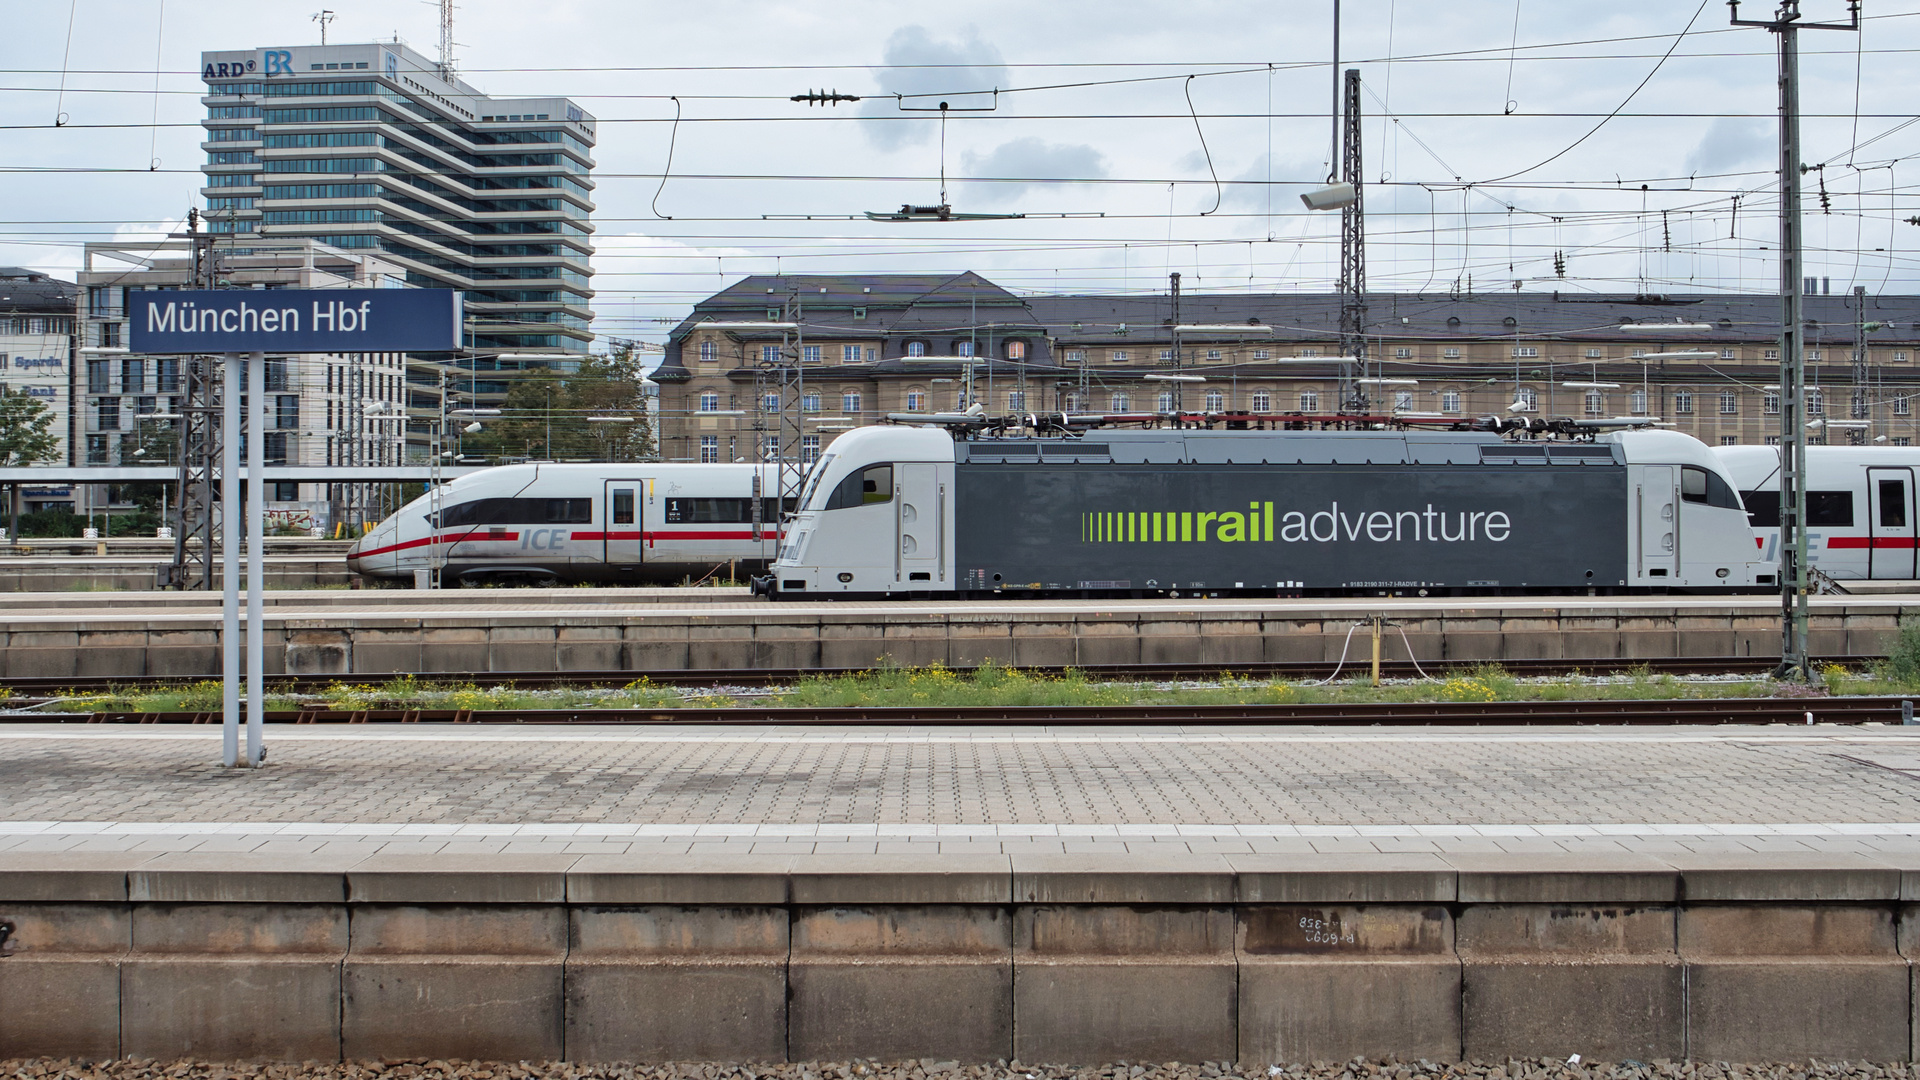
<point x="610" y="524"/>
<point x="1861" y="521"/>
<point x="913" y="511"/>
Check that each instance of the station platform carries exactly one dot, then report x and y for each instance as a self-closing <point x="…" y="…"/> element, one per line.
<point x="1015" y="894"/>
<point x="335" y="634"/>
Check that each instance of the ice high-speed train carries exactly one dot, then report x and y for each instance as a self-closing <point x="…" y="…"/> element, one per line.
<point x="1861" y="520"/>
<point x="913" y="511"/>
<point x="601" y="523"/>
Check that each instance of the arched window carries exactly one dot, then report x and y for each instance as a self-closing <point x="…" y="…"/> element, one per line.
<point x="710" y="401"/>
<point x="1262" y="401"/>
<point x="916" y="401"/>
<point x="1596" y="403"/>
<point x="1216" y="401"/>
<point x="1016" y="350"/>
<point x="1163" y="402"/>
<point x="1449" y="401"/>
<point x="963" y="348"/>
<point x="916" y="348"/>
<point x="1120" y="403"/>
<point x="709" y="351"/>
<point x="850" y="401"/>
<point x="1309" y="401"/>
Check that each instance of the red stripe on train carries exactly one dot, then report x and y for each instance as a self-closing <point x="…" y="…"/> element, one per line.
<point x="426" y="540"/>
<point x="1877" y="542"/>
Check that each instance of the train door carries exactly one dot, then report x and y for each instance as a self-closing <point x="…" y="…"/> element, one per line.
<point x="919" y="518"/>
<point x="1890" y="523"/>
<point x="1658" y="544"/>
<point x="620" y="514"/>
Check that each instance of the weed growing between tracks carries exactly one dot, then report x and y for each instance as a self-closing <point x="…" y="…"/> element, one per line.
<point x="996" y="685"/>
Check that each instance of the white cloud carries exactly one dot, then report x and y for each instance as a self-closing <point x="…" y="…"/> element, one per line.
<point x="920" y="66"/>
<point x="1030" y="158"/>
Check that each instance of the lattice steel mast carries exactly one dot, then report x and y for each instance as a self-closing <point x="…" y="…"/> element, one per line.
<point x="1353" y="255"/>
<point x="198" y="444"/>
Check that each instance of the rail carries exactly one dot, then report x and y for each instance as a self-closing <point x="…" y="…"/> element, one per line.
<point x="1714" y="711"/>
<point x="40" y="688"/>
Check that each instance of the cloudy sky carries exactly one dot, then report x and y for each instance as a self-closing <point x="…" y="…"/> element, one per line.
<point x="1136" y="138"/>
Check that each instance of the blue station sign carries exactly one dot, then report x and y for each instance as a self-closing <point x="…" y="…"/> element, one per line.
<point x="293" y="320"/>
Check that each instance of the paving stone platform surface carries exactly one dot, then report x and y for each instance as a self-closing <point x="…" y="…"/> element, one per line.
<point x="424" y="788"/>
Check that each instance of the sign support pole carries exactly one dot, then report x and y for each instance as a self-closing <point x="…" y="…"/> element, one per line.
<point x="256" y="557"/>
<point x="230" y="563"/>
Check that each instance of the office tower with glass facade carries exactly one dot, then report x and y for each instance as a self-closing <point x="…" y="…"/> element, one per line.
<point x="376" y="147"/>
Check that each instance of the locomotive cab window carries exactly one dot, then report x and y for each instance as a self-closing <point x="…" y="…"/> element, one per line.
<point x="873" y="484"/>
<point x="1698" y="485"/>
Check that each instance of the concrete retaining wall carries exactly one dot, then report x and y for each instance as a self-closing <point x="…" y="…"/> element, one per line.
<point x="1071" y="959"/>
<point x="368" y="642"/>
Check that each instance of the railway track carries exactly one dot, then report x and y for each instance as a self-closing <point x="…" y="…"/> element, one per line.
<point x="35" y="689"/>
<point x="1828" y="710"/>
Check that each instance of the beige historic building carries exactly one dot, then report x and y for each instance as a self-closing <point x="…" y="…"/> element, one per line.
<point x="869" y="345"/>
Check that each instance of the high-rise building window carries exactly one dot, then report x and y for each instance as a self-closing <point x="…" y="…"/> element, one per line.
<point x="286" y="411"/>
<point x="99" y="376"/>
<point x="273" y="446"/>
<point x="96" y="449"/>
<point x="167" y="376"/>
<point x="709" y="449"/>
<point x="109" y="415"/>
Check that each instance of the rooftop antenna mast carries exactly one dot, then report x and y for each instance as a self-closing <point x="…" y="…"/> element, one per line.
<point x="323" y="17"/>
<point x="446" y="39"/>
<point x="1786" y="26"/>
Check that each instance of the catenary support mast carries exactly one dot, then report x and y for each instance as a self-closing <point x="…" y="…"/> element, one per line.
<point x="1353" y="257"/>
<point x="1786" y="26"/>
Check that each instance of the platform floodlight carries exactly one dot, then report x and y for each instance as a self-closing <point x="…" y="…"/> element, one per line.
<point x="610" y="420"/>
<point x="474" y="428"/>
<point x="1682" y="354"/>
<point x="1224" y="328"/>
<point x="1388" y="382"/>
<point x="1157" y="377"/>
<point x="1332" y="197"/>
<point x="1589" y="386"/>
<point x="473" y="412"/>
<point x="103" y="350"/>
<point x="1853" y="424"/>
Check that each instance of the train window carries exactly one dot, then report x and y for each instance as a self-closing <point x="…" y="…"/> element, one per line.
<point x="723" y="511"/>
<point x="873" y="484"/>
<point x="1893" y="503"/>
<point x="1827" y="508"/>
<point x="623" y="506"/>
<point x="518" y="512"/>
<point x="1701" y="486"/>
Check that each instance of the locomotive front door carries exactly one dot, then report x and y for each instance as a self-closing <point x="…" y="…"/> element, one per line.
<point x="919" y="523"/>
<point x="1890" y="523"/>
<point x="620" y="517"/>
<point x="1657" y="505"/>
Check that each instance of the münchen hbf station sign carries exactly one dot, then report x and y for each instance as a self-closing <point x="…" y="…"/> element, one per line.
<point x="293" y="320"/>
